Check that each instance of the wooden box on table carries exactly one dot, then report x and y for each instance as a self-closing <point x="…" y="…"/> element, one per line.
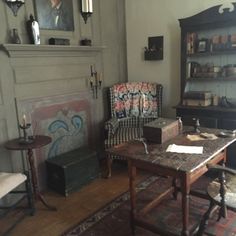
<point x="161" y="130"/>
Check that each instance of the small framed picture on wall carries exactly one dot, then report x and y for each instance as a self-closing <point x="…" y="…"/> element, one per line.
<point x="55" y="14"/>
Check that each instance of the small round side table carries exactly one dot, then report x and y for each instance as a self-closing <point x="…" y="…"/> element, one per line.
<point x="39" y="141"/>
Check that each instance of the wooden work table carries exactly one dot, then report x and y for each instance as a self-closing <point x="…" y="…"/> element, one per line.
<point x="184" y="168"/>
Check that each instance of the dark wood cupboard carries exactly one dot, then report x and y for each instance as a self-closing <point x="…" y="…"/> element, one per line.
<point x="208" y="63"/>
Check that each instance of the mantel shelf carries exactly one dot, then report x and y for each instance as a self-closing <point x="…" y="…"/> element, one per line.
<point x="29" y="50"/>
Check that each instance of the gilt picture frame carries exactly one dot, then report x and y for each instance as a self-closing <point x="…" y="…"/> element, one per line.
<point x="55" y="14"/>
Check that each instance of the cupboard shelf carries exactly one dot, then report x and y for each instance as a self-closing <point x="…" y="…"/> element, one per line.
<point x="213" y="53"/>
<point x="208" y="79"/>
<point x="219" y="109"/>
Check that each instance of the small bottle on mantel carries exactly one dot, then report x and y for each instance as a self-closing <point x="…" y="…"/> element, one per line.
<point x="33" y="30"/>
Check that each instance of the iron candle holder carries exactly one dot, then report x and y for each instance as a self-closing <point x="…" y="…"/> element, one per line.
<point x="26" y="139"/>
<point x="95" y="82"/>
<point x="15" y="5"/>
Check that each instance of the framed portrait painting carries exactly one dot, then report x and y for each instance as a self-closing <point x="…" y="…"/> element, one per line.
<point x="55" y="14"/>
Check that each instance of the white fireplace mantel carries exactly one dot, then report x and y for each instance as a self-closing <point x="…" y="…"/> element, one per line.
<point x="29" y="50"/>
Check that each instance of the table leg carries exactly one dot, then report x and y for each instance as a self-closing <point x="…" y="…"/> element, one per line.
<point x="109" y="164"/>
<point x="185" y="190"/>
<point x="132" y="176"/>
<point x="37" y="194"/>
<point x="174" y="184"/>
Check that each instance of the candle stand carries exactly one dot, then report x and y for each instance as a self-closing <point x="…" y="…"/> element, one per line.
<point x="26" y="139"/>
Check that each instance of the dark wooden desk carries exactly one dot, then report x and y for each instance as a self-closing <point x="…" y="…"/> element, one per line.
<point x="186" y="168"/>
<point x="39" y="141"/>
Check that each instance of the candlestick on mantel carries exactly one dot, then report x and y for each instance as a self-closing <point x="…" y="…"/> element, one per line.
<point x="86" y="9"/>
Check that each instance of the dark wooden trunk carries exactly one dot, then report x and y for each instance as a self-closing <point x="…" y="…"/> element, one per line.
<point x="72" y="170"/>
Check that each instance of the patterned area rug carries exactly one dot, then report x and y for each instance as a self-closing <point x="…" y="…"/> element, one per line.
<point x="113" y="219"/>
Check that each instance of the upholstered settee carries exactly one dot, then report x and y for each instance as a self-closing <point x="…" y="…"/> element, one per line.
<point x="132" y="105"/>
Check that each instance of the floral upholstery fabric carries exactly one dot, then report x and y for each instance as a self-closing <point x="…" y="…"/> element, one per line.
<point x="135" y="99"/>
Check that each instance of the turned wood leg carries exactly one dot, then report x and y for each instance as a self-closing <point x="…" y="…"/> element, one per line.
<point x="132" y="176"/>
<point x="30" y="197"/>
<point x="109" y="164"/>
<point x="174" y="184"/>
<point x="204" y="220"/>
<point x="185" y="189"/>
<point x="36" y="191"/>
<point x="33" y="172"/>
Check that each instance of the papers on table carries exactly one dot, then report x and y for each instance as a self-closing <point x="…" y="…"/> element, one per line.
<point x="185" y="149"/>
<point x="201" y="136"/>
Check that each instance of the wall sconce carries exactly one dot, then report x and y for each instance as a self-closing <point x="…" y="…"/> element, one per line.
<point x="86" y="9"/>
<point x="95" y="82"/>
<point x="15" y="5"/>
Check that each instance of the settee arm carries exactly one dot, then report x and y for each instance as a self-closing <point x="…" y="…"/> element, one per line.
<point x="111" y="126"/>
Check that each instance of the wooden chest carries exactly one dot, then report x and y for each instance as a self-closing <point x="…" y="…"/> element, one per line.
<point x="72" y="170"/>
<point x="161" y="130"/>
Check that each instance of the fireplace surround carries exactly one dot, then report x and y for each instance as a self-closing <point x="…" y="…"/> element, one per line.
<point x="50" y="84"/>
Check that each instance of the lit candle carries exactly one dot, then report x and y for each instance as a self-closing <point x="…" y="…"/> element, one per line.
<point x="85" y="7"/>
<point x="24" y="120"/>
<point x="90" y="6"/>
<point x="91" y="82"/>
<point x="100" y="77"/>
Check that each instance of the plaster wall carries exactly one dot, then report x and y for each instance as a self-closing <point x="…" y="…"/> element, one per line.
<point x="156" y="18"/>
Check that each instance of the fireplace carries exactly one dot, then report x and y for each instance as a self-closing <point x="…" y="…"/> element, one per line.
<point x="51" y="85"/>
<point x="65" y="118"/>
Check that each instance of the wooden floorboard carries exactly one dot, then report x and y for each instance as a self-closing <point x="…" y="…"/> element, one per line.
<point x="74" y="208"/>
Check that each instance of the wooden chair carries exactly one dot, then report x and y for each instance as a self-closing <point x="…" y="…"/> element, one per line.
<point x="222" y="194"/>
<point x="9" y="183"/>
<point x="132" y="105"/>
